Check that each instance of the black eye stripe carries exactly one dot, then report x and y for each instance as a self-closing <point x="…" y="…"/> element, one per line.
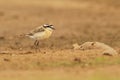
<point x="45" y="26"/>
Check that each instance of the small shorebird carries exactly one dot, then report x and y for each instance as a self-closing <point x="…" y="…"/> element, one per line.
<point x="41" y="33"/>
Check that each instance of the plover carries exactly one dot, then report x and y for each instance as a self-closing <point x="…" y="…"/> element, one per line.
<point x="41" y="33"/>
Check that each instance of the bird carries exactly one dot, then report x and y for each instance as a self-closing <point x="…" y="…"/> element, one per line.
<point x="41" y="33"/>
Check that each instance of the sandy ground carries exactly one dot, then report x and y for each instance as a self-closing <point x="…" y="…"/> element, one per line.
<point x="75" y="21"/>
<point x="64" y="74"/>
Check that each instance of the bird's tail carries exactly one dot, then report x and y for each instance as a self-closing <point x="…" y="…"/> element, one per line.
<point x="24" y="35"/>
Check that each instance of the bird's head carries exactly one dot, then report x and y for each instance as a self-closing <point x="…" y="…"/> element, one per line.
<point x="49" y="26"/>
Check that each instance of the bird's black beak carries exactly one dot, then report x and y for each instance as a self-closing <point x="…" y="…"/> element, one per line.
<point x="51" y="26"/>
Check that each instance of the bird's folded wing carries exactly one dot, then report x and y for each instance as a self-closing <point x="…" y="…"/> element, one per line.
<point x="37" y="30"/>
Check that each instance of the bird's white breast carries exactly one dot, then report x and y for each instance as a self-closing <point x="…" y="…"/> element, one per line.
<point x="43" y="35"/>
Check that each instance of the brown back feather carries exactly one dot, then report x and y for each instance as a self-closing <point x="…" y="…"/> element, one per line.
<point x="39" y="29"/>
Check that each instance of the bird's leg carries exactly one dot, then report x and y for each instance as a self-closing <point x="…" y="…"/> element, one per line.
<point x="36" y="44"/>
